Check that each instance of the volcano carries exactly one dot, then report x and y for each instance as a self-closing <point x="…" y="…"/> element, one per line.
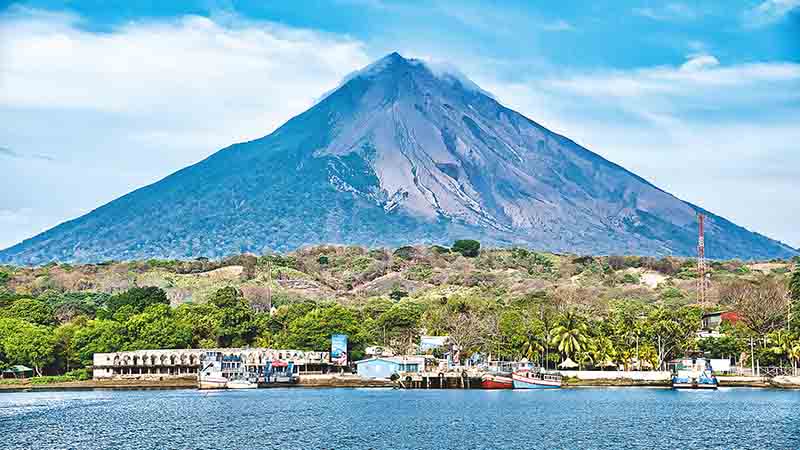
<point x="400" y="153"/>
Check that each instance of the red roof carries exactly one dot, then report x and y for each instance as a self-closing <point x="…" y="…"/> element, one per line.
<point x="730" y="316"/>
<point x="279" y="363"/>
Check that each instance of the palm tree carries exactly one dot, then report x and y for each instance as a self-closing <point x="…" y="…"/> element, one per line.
<point x="570" y="335"/>
<point x="533" y="347"/>
<point x="794" y="354"/>
<point x="782" y="343"/>
<point x="603" y="350"/>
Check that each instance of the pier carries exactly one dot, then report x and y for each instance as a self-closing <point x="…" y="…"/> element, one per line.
<point x="439" y="380"/>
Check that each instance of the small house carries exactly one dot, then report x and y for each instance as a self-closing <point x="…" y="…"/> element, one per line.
<point x="713" y="320"/>
<point x="18" y="371"/>
<point x="385" y="367"/>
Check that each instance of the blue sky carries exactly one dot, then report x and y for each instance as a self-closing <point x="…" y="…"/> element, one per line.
<point x="100" y="97"/>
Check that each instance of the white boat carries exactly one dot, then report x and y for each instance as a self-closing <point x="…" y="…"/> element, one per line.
<point x="530" y="379"/>
<point x="210" y="375"/>
<point x="241" y="383"/>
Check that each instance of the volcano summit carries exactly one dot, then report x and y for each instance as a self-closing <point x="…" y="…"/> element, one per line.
<point x="398" y="154"/>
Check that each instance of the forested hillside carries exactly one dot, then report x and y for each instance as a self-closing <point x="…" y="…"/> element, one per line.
<point x="510" y="303"/>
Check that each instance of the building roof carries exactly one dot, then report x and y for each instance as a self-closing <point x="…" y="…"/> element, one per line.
<point x="18" y="368"/>
<point x="395" y="359"/>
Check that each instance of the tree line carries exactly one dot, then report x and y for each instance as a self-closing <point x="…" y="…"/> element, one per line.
<point x="56" y="333"/>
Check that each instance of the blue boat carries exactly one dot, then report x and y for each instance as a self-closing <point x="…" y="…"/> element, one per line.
<point x="694" y="373"/>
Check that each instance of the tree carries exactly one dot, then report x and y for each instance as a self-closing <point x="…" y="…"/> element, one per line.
<point x="313" y="331"/>
<point x="137" y="298"/>
<point x="794" y="294"/>
<point x="781" y="343"/>
<point x="602" y="350"/>
<point x="794" y="283"/>
<point x="467" y="247"/>
<point x="672" y="330"/>
<point x="203" y="321"/>
<point x="99" y="336"/>
<point x="570" y="335"/>
<point x="157" y="327"/>
<point x="762" y="306"/>
<point x="237" y="325"/>
<point x="31" y="310"/>
<point x="26" y="343"/>
<point x="67" y="357"/>
<point x="399" y="325"/>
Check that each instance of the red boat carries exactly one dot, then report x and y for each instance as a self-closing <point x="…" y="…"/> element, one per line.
<point x="496" y="381"/>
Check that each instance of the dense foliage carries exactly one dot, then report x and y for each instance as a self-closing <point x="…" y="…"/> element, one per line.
<point x="594" y="311"/>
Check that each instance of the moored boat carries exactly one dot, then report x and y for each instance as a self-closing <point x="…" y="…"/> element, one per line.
<point x="212" y="382"/>
<point x="496" y="381"/>
<point x="241" y="383"/>
<point x="530" y="379"/>
<point x="210" y="375"/>
<point x="694" y="373"/>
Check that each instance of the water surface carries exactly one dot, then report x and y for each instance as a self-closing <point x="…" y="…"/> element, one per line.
<point x="585" y="418"/>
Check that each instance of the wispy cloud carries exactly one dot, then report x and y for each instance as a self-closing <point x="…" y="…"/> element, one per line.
<point x="257" y="68"/>
<point x="769" y="12"/>
<point x="7" y="152"/>
<point x="669" y="12"/>
<point x="701" y="74"/>
<point x="558" y="25"/>
<point x="719" y="135"/>
<point x="132" y="104"/>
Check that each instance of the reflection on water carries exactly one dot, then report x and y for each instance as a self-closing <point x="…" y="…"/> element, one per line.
<point x="397" y="419"/>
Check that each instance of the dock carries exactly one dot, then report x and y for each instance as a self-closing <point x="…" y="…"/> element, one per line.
<point x="439" y="380"/>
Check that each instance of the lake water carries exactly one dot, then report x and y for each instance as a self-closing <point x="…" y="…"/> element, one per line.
<point x="396" y="419"/>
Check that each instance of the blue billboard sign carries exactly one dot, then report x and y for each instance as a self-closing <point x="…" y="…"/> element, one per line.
<point x="339" y="349"/>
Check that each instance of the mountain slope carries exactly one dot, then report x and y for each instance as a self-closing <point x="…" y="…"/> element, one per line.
<point x="398" y="154"/>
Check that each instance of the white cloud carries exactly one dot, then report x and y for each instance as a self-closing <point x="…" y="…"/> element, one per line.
<point x="261" y="68"/>
<point x="699" y="75"/>
<point x="558" y="25"/>
<point x="721" y="136"/>
<point x="119" y="109"/>
<point x="769" y="12"/>
<point x="669" y="12"/>
<point x="699" y="61"/>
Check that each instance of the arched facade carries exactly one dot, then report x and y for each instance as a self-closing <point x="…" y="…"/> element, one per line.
<point x="183" y="363"/>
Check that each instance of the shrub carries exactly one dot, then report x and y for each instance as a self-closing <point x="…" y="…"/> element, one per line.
<point x="406" y="252"/>
<point x="419" y="272"/>
<point x="439" y="250"/>
<point x="323" y="260"/>
<point x="468" y="248"/>
<point x="630" y="278"/>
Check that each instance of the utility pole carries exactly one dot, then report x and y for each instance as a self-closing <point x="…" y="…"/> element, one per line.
<point x="701" y="259"/>
<point x="269" y="285"/>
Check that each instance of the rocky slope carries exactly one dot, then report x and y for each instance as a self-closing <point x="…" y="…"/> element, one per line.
<point x="398" y="154"/>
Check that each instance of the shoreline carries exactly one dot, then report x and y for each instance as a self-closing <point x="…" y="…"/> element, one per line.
<point x="348" y="382"/>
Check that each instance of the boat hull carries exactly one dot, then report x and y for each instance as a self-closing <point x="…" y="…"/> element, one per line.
<point x="212" y="383"/>
<point x="496" y="382"/>
<point x="702" y="386"/>
<point x="242" y="385"/>
<point x="521" y="382"/>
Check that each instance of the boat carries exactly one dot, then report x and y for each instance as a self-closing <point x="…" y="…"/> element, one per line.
<point x="496" y="381"/>
<point x="241" y="383"/>
<point x="210" y="375"/>
<point x="213" y="382"/>
<point x="535" y="379"/>
<point x="694" y="373"/>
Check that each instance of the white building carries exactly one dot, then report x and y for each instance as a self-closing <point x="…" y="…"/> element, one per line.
<point x="179" y="363"/>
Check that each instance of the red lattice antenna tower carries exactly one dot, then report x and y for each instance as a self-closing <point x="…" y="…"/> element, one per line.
<point x="702" y="265"/>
